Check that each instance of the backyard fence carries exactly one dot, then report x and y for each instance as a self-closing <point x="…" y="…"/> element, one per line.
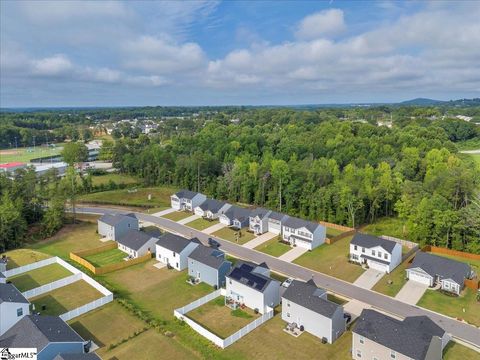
<point x="403" y="242"/>
<point x="335" y="226"/>
<point x="110" y="246"/>
<point x="86" y="308"/>
<point x="33" y="266"/>
<point x="340" y="236"/>
<point x="52" y="286"/>
<point x="445" y="251"/>
<point x="473" y="284"/>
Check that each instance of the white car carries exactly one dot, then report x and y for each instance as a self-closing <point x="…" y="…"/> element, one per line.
<point x="287" y="282"/>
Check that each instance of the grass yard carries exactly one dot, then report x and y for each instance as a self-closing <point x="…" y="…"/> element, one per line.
<point x="398" y="278"/>
<point x="229" y="234"/>
<point x="66" y="298"/>
<point x="273" y="247"/>
<point x="332" y="260"/>
<point x="39" y="277"/>
<point x="106" y="258"/>
<point x="160" y="197"/>
<point x="20" y="257"/>
<point x="113" y="177"/>
<point x="220" y="319"/>
<point x="331" y="233"/>
<point x="386" y="226"/>
<point x="28" y="153"/>
<point x="455" y="351"/>
<point x="177" y="215"/>
<point x="201" y="224"/>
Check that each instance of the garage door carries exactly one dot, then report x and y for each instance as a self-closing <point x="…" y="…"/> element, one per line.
<point x="421" y="278"/>
<point x="274" y="228"/>
<point x="377" y="266"/>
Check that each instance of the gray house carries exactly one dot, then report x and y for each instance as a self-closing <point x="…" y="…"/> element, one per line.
<point x="307" y="306"/>
<point x="49" y="334"/>
<point x="430" y="269"/>
<point x="275" y="221"/>
<point x="303" y="233"/>
<point x="114" y="226"/>
<point x="13" y="306"/>
<point x="236" y="217"/>
<point x="208" y="265"/>
<point x="136" y="243"/>
<point x="211" y="209"/>
<point x="186" y="200"/>
<point x="174" y="250"/>
<point x="258" y="221"/>
<point x="378" y="336"/>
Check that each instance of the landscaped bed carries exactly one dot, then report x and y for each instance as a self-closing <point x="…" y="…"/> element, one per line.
<point x="201" y="224"/>
<point x="220" y="319"/>
<point x="39" y="277"/>
<point x="177" y="215"/>
<point x="106" y="258"/>
<point x="274" y="247"/>
<point x="230" y="235"/>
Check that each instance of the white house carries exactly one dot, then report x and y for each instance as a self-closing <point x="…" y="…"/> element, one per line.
<point x="174" y="250"/>
<point x="211" y="209"/>
<point x="275" y="221"/>
<point x="431" y="269"/>
<point x="308" y="307"/>
<point x="251" y="285"/>
<point x="302" y="233"/>
<point x="258" y="221"/>
<point x="13" y="306"/>
<point x="235" y="216"/>
<point x="378" y="253"/>
<point x="136" y="243"/>
<point x="114" y="226"/>
<point x="186" y="200"/>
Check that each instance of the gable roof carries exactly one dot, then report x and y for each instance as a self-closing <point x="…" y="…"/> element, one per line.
<point x="38" y="331"/>
<point x="89" y="356"/>
<point x="114" y="219"/>
<point x="309" y="295"/>
<point x="410" y="337"/>
<point x="237" y="213"/>
<point x="212" y="205"/>
<point x="370" y="241"/>
<point x="186" y="194"/>
<point x="244" y="272"/>
<point x="277" y="216"/>
<point x="174" y="242"/>
<point x="296" y="223"/>
<point x="9" y="293"/>
<point x="260" y="212"/>
<point x="211" y="257"/>
<point x="134" y="239"/>
<point x="440" y="266"/>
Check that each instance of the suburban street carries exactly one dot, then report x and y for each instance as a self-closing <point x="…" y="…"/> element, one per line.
<point x="462" y="331"/>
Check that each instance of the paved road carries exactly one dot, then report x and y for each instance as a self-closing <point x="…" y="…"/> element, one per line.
<point x="456" y="328"/>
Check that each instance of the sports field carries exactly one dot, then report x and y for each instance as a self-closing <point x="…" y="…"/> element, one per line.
<point x="28" y="153"/>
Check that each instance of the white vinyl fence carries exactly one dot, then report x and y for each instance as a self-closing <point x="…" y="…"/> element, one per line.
<point x="30" y="267"/>
<point x="180" y="313"/>
<point x="52" y="286"/>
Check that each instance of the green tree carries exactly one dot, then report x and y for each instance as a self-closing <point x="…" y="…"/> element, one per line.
<point x="74" y="152"/>
<point x="54" y="216"/>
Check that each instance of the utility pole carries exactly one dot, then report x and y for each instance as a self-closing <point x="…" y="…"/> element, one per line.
<point x="198" y="177"/>
<point x="280" y="195"/>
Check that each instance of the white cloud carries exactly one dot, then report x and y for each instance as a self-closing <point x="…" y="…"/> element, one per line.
<point x="321" y="24"/>
<point x="52" y="66"/>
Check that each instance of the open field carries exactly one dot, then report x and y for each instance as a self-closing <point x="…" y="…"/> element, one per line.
<point x="201" y="224"/>
<point x="66" y="298"/>
<point x="20" y="257"/>
<point x="39" y="277"/>
<point x="274" y="247"/>
<point x="106" y="258"/>
<point x="454" y="351"/>
<point x="386" y="226"/>
<point x="177" y="215"/>
<point x="332" y="260"/>
<point x="113" y="177"/>
<point x="398" y="278"/>
<point x="220" y="319"/>
<point x="28" y="153"/>
<point x="476" y="157"/>
<point x="230" y="235"/>
<point x="160" y="197"/>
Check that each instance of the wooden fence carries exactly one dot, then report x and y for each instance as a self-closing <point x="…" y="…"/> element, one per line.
<point x="339" y="237"/>
<point x="335" y="226"/>
<point x="445" y="251"/>
<point x="473" y="284"/>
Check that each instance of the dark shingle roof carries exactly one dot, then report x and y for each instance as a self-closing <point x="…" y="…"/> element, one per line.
<point x="244" y="273"/>
<point x="174" y="242"/>
<point x="186" y="194"/>
<point x="410" y="337"/>
<point x="370" y="241"/>
<point x="296" y="223"/>
<point x="208" y="256"/>
<point x="134" y="239"/>
<point x="89" y="356"/>
<point x="38" y="331"/>
<point x="308" y="295"/>
<point x="212" y="205"/>
<point x="237" y="213"/>
<point x="277" y="216"/>
<point x="115" y="219"/>
<point x="440" y="266"/>
<point x="260" y="212"/>
<point x="9" y="293"/>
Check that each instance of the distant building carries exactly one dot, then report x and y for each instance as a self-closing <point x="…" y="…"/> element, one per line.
<point x="112" y="227"/>
<point x="12" y="167"/>
<point x="464" y="118"/>
<point x="186" y="200"/>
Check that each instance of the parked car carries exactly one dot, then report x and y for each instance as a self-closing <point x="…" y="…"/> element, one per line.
<point x="213" y="243"/>
<point x="287" y="282"/>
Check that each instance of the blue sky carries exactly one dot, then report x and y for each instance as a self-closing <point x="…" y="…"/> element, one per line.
<point x="109" y="53"/>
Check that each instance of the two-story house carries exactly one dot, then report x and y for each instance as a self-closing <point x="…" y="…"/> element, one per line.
<point x="275" y="222"/>
<point x="136" y="243"/>
<point x="113" y="226"/>
<point x="303" y="233"/>
<point x="208" y="265"/>
<point x="13" y="306"/>
<point x="211" y="209"/>
<point x="258" y="221"/>
<point x="235" y="217"/>
<point x="378" y="253"/>
<point x="174" y="250"/>
<point x="186" y="200"/>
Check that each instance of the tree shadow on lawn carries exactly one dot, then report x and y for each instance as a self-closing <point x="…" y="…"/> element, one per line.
<point x="52" y="306"/>
<point x="85" y="333"/>
<point x="24" y="282"/>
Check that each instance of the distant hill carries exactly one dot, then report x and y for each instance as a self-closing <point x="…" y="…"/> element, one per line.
<point x="432" y="102"/>
<point x="422" y="102"/>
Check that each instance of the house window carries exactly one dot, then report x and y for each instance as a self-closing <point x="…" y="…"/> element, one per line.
<point x="230" y="282"/>
<point x="288" y="314"/>
<point x="174" y="254"/>
<point x="363" y="250"/>
<point x="288" y="304"/>
<point x="128" y="225"/>
<point x="362" y="340"/>
<point x="393" y="354"/>
<point x="19" y="312"/>
<point x="373" y="252"/>
<point x="385" y="256"/>
<point x="359" y="354"/>
<point x="379" y="254"/>
<point x="355" y="247"/>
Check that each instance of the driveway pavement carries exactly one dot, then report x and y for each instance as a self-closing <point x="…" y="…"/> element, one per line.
<point x="355" y="307"/>
<point x="213" y="228"/>
<point x="188" y="219"/>
<point x="411" y="292"/>
<point x="259" y="240"/>
<point x="293" y="254"/>
<point x="369" y="278"/>
<point x="164" y="212"/>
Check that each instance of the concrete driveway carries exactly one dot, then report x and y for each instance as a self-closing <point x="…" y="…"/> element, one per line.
<point x="411" y="292"/>
<point x="291" y="255"/>
<point x="164" y="212"/>
<point x="369" y="278"/>
<point x="188" y="219"/>
<point x="213" y="228"/>
<point x="259" y="240"/>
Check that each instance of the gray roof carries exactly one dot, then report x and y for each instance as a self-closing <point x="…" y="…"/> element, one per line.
<point x="186" y="194"/>
<point x="206" y="255"/>
<point x="277" y="216"/>
<point x="260" y="212"/>
<point x="9" y="293"/>
<point x="174" y="242"/>
<point x="410" y="337"/>
<point x="38" y="331"/>
<point x="370" y="241"/>
<point x="212" y="205"/>
<point x="115" y="219"/>
<point x="244" y="272"/>
<point x="440" y="266"/>
<point x="134" y="239"/>
<point x="237" y="213"/>
<point x="296" y="223"/>
<point x="309" y="295"/>
<point x="2" y="276"/>
<point x="89" y="356"/>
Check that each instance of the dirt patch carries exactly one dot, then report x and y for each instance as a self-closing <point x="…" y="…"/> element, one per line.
<point x="9" y="152"/>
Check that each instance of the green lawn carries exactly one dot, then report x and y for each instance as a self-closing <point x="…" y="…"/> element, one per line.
<point x="332" y="260"/>
<point x="397" y="277"/>
<point x="476" y="157"/>
<point x="107" y="257"/>
<point x="386" y="226"/>
<point x="453" y="306"/>
<point x="39" y="277"/>
<point x="455" y="351"/>
<point x="331" y="233"/>
<point x="177" y="215"/>
<point x="28" y="153"/>
<point x="274" y="247"/>
<point x="230" y="235"/>
<point x="201" y="224"/>
<point x="66" y="298"/>
<point x="116" y="178"/>
<point x="20" y="257"/>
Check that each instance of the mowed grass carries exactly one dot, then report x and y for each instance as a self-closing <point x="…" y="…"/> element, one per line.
<point x="106" y="258"/>
<point x="160" y="197"/>
<point x="177" y="215"/>
<point x="231" y="235"/>
<point x="332" y="260"/>
<point x="386" y="226"/>
<point x="273" y="247"/>
<point x="455" y="351"/>
<point x="397" y="277"/>
<point x="201" y="224"/>
<point x="220" y="319"/>
<point x="331" y="233"/>
<point x="39" y="277"/>
<point x="113" y="177"/>
<point x="21" y="257"/>
<point x="28" y="153"/>
<point x="463" y="307"/>
<point x="66" y="298"/>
